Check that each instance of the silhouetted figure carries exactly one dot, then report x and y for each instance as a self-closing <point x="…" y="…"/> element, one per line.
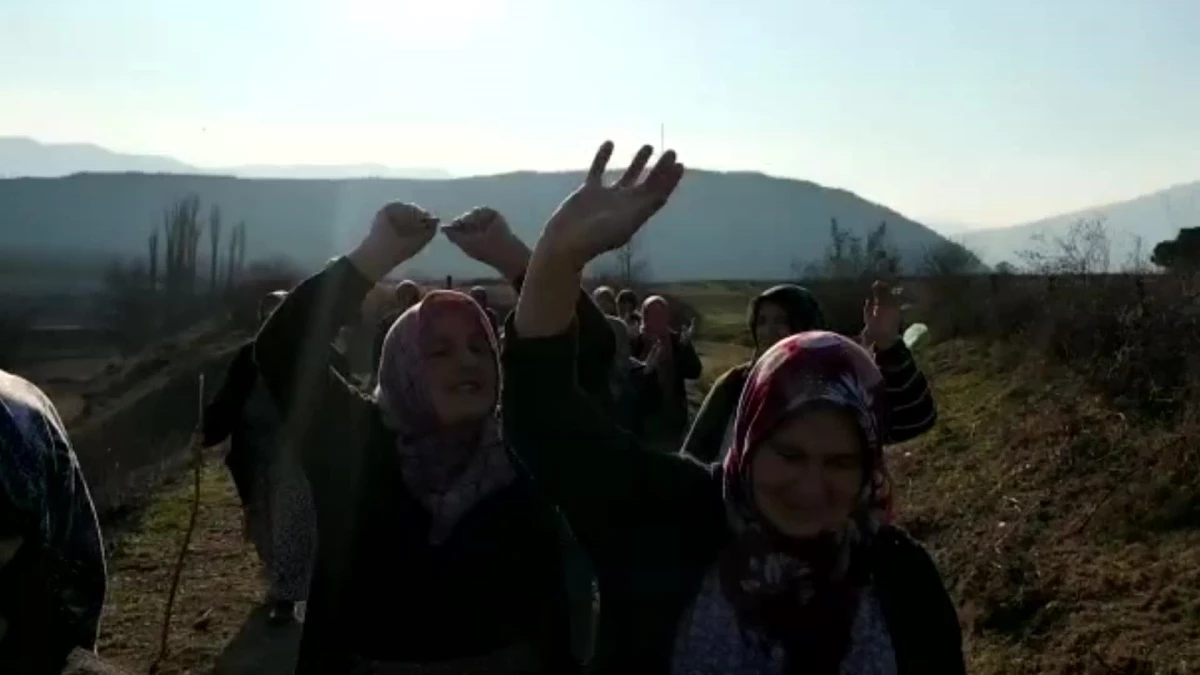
<point x="52" y="571"/>
<point x="669" y="361"/>
<point x="480" y="295"/>
<point x="276" y="501"/>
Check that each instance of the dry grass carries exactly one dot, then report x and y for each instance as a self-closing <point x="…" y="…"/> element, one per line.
<point x="219" y="585"/>
<point x="1056" y="520"/>
<point x="1058" y="493"/>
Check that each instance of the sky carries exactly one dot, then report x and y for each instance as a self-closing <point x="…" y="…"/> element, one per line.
<point x="975" y="113"/>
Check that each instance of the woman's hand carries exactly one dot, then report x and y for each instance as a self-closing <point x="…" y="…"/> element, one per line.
<point x="596" y="218"/>
<point x="398" y="232"/>
<point x="483" y="234"/>
<point x="882" y="316"/>
<point x="593" y="219"/>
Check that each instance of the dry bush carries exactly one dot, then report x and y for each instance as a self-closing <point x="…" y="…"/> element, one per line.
<point x="1135" y="337"/>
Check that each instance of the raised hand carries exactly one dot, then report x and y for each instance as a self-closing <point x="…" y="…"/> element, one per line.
<point x="882" y="316"/>
<point x="685" y="335"/>
<point x="483" y="234"/>
<point x="398" y="232"/>
<point x="597" y="218"/>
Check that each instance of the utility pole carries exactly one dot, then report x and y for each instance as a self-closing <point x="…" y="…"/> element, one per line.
<point x="662" y="137"/>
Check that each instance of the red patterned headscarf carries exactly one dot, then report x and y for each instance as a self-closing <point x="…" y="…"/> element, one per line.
<point x="804" y="592"/>
<point x="446" y="469"/>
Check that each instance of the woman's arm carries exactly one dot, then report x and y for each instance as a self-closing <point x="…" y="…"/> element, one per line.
<point x="221" y="414"/>
<point x="604" y="481"/>
<point x="293" y="353"/>
<point x="293" y="347"/>
<point x="599" y="474"/>
<point x="484" y="235"/>
<point x="912" y="408"/>
<point x="703" y="442"/>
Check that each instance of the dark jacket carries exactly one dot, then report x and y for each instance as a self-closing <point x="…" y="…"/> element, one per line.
<point x="654" y="523"/>
<point x="911" y="404"/>
<point x="223" y="418"/>
<point x="380" y="591"/>
<point x="664" y="412"/>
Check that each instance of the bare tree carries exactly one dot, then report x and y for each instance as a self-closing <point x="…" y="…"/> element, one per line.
<point x="849" y="256"/>
<point x="214" y="240"/>
<point x="631" y="268"/>
<point x="1084" y="249"/>
<point x="947" y="259"/>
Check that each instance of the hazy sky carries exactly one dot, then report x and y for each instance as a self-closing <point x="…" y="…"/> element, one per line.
<point x="987" y="113"/>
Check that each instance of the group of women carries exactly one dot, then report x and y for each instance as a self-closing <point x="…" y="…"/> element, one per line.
<point x="454" y="505"/>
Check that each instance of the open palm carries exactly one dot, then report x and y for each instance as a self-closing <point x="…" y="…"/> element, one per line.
<point x="597" y="218"/>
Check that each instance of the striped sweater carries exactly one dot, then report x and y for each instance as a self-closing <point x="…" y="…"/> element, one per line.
<point x="913" y="411"/>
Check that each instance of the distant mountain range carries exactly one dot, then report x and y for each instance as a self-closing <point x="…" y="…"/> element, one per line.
<point x="25" y="157"/>
<point x="1152" y="218"/>
<point x="717" y="226"/>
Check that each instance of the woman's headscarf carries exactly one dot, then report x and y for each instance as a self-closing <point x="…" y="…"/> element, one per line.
<point x="802" y="308"/>
<point x="804" y="593"/>
<point x="448" y="469"/>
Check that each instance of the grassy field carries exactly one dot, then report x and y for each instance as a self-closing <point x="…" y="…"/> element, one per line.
<point x="1065" y="518"/>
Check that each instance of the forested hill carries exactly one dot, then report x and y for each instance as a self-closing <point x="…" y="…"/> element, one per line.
<point x="718" y="226"/>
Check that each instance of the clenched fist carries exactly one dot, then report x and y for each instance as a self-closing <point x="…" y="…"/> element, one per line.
<point x="398" y="232"/>
<point x="483" y="234"/>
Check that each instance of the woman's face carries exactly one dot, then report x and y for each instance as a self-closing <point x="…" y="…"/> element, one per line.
<point x="457" y="359"/>
<point x="808" y="474"/>
<point x="771" y="324"/>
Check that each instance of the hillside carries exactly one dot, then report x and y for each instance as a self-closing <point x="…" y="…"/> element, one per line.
<point x="27" y="158"/>
<point x="1154" y="217"/>
<point x="718" y="225"/>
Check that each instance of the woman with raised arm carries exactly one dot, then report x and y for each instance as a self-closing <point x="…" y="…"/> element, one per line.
<point x="777" y="562"/>
<point x="434" y="551"/>
<point x="277" y="510"/>
<point x="788" y="309"/>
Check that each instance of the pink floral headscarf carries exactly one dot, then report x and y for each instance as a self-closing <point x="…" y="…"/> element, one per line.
<point x="448" y="470"/>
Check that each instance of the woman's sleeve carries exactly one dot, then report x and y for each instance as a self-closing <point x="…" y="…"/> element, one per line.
<point x="703" y="442"/>
<point x="221" y="414"/>
<point x="597" y="344"/>
<point x="912" y="409"/>
<point x="688" y="360"/>
<point x="596" y="472"/>
<point x="292" y="352"/>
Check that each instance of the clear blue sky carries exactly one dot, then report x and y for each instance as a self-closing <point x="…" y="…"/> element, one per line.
<point x="988" y="112"/>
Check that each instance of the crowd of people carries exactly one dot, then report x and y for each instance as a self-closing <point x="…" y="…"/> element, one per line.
<point x="530" y="495"/>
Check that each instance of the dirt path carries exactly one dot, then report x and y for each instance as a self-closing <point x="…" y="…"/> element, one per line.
<point x="219" y="587"/>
